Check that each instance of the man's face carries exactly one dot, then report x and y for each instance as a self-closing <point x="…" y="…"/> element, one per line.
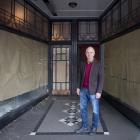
<point x="90" y="52"/>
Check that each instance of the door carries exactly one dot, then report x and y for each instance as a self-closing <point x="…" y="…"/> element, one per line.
<point x="60" y="70"/>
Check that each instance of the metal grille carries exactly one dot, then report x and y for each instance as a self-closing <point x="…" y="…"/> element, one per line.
<point x="60" y="67"/>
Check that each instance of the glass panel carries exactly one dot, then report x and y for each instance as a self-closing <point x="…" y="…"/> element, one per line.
<point x="115" y="17"/>
<point x="103" y="28"/>
<point x="45" y="28"/>
<point x="61" y="67"/>
<point x="61" y="31"/>
<point x="5" y="11"/>
<point x="135" y="4"/>
<point x="6" y="5"/>
<point x="38" y="22"/>
<point x="67" y="74"/>
<point x="63" y="86"/>
<point x="66" y="31"/>
<point x="82" y="30"/>
<point x="67" y="53"/>
<point x="54" y="53"/>
<point x="63" y="56"/>
<point x="64" y="50"/>
<point x="61" y="70"/>
<point x="108" y="23"/>
<point x="19" y="20"/>
<point x="53" y="85"/>
<point x="88" y="31"/>
<point x="67" y="86"/>
<point x="93" y="30"/>
<point x="30" y="15"/>
<point x="54" y="71"/>
<point x="19" y="10"/>
<point x="58" y="50"/>
<point x="58" y="55"/>
<point x="58" y="86"/>
<point x="63" y="53"/>
<point x="124" y="8"/>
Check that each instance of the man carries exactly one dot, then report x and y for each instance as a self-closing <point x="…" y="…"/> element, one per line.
<point x="90" y="85"/>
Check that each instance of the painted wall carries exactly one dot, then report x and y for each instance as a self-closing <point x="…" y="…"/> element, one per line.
<point x="23" y="65"/>
<point x="122" y="68"/>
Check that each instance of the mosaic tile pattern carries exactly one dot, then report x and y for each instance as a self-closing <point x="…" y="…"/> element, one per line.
<point x="74" y="114"/>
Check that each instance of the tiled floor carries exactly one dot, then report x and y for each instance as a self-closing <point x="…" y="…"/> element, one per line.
<point x="118" y="126"/>
<point x="63" y="117"/>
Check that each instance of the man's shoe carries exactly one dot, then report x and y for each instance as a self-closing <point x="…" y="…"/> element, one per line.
<point x="82" y="130"/>
<point x="93" y="131"/>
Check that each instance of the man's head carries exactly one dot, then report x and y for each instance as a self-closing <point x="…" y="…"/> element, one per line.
<point x="90" y="53"/>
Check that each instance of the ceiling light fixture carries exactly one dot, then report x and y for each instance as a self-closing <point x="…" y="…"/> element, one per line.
<point x="72" y="4"/>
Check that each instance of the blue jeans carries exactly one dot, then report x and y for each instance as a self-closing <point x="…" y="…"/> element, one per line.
<point x="85" y="97"/>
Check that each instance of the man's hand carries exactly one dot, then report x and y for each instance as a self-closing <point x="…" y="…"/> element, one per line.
<point x="98" y="95"/>
<point x="78" y="91"/>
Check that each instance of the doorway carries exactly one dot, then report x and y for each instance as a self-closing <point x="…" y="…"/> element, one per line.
<point x="60" y="70"/>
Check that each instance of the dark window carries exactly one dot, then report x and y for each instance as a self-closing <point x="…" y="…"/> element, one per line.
<point x="6" y="5"/>
<point x="103" y="27"/>
<point x="116" y="17"/>
<point x="88" y="30"/>
<point x="108" y="22"/>
<point x="135" y="4"/>
<point x="124" y="9"/>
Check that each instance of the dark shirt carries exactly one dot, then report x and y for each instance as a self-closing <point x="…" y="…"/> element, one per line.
<point x="85" y="83"/>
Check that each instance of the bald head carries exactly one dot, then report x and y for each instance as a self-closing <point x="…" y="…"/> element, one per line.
<point x="90" y="48"/>
<point x="90" y="53"/>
